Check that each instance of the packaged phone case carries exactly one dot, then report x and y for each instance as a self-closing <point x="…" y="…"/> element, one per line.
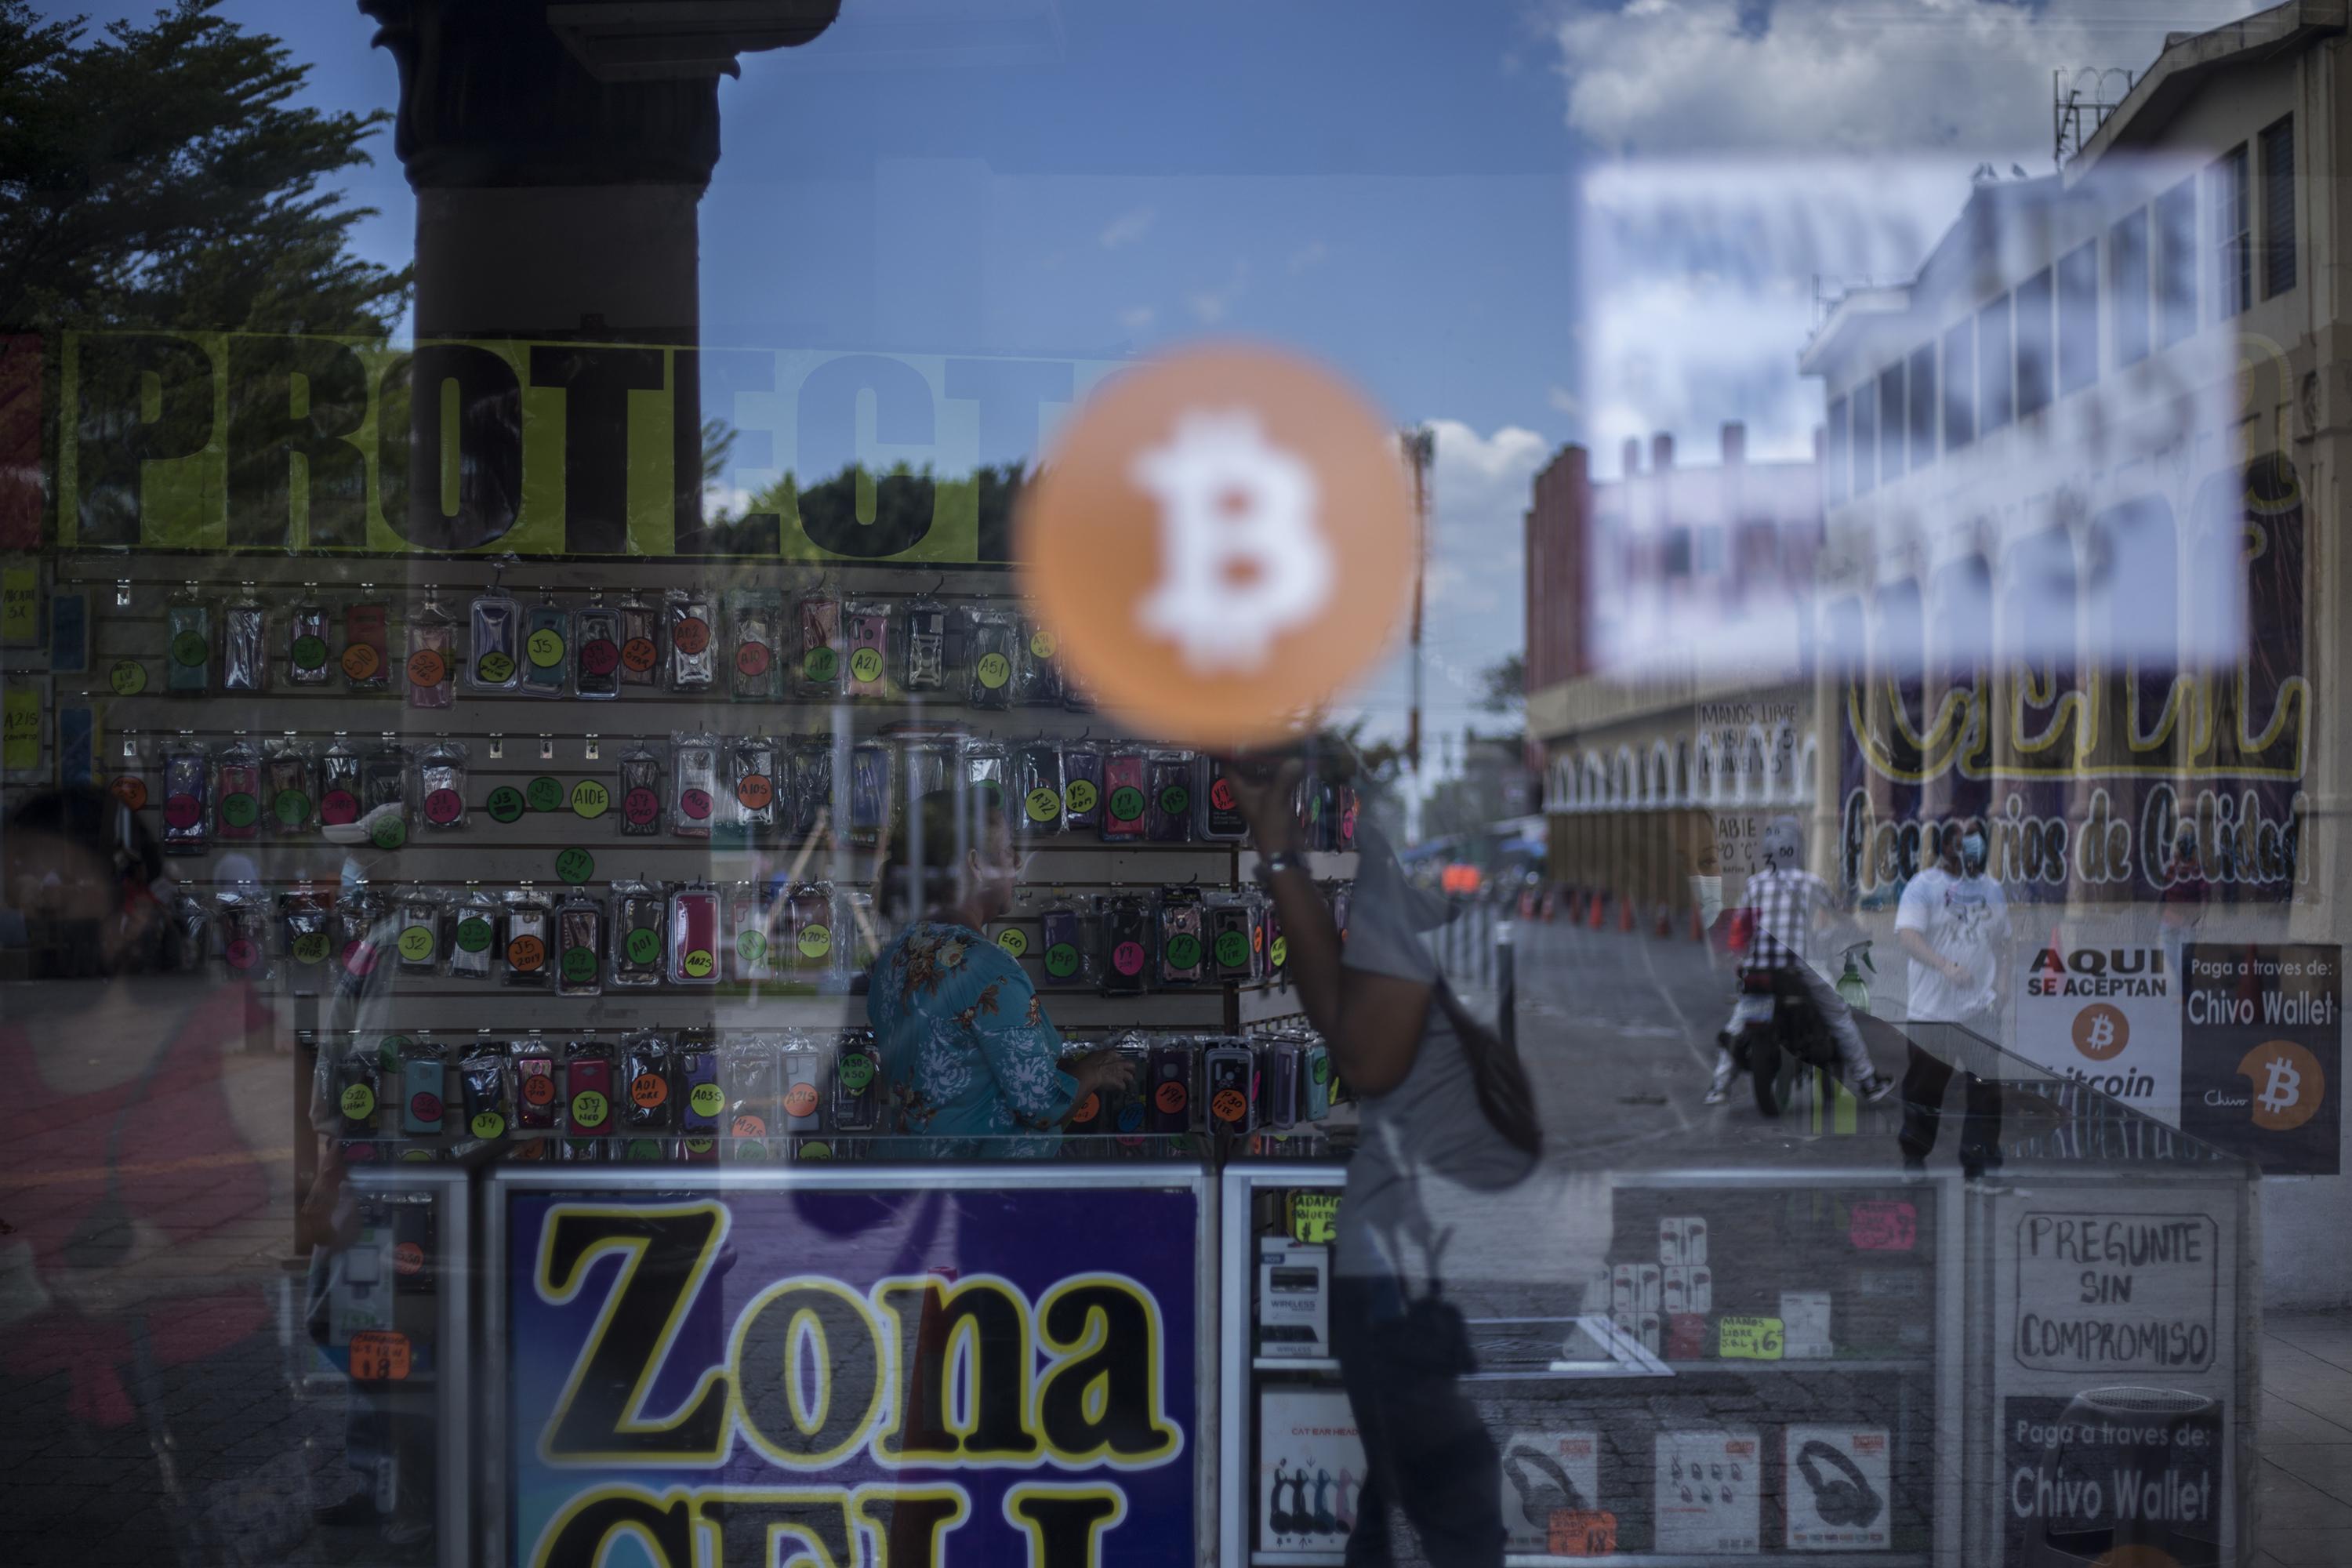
<point x="187" y="798"/>
<point x="857" y="1087"/>
<point x="596" y="652"/>
<point x="1315" y="1082"/>
<point x="1277" y="949"/>
<point x="866" y="634"/>
<point x="530" y="932"/>
<point x="1037" y="786"/>
<point x="1036" y="677"/>
<point x="587" y="1090"/>
<point x="418" y="916"/>
<point x="701" y="1101"/>
<point x="188" y="647"/>
<point x="641" y="635"/>
<point x="245" y="646"/>
<point x="816" y="615"/>
<point x="853" y="923"/>
<point x="693" y="781"/>
<point x="1217" y="811"/>
<point x="473" y="934"/>
<point x="988" y="775"/>
<point x="869" y="791"/>
<point x="649" y="1096"/>
<point x="748" y="1072"/>
<point x="340" y="787"/>
<point x="1062" y="938"/>
<point x="801" y="1075"/>
<point x="489" y="1110"/>
<point x="237" y="770"/>
<point x="441" y="782"/>
<point x="422" y="1068"/>
<point x="289" y="785"/>
<point x="694" y="916"/>
<point x="748" y="914"/>
<point x="1181" y="921"/>
<point x="995" y="643"/>
<point x="306" y="644"/>
<point x="1082" y="788"/>
<point x="1123" y="798"/>
<point x="494" y="648"/>
<point x="640" y="923"/>
<point x="931" y="760"/>
<point x="1343" y="837"/>
<point x="192" y="931"/>
<point x="1126" y="945"/>
<point x="384" y="782"/>
<point x="367" y="660"/>
<point x="535" y="1086"/>
<point x="1228" y="1087"/>
<point x="1231" y="960"/>
<point x="579" y="946"/>
<point x="1167" y="1080"/>
<point x="811" y="795"/>
<point x="808" y="926"/>
<point x="359" y="913"/>
<point x="546" y="647"/>
<point x="1167" y="798"/>
<point x="754" y="623"/>
<point x="241" y="935"/>
<point x="1279" y="1064"/>
<point x="430" y="667"/>
<point x="923" y="642"/>
<point x="693" y="660"/>
<point x="302" y="931"/>
<point x="641" y="796"/>
<point x="751" y="785"/>
<point x="358" y="1088"/>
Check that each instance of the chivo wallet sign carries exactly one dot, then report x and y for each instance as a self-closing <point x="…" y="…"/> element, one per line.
<point x="833" y="1376"/>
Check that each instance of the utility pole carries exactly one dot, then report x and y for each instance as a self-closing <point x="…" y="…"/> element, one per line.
<point x="1420" y="445"/>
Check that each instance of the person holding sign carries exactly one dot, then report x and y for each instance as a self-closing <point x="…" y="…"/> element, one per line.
<point x="969" y="1059"/>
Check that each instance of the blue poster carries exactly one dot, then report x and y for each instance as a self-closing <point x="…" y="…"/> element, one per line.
<point x="838" y="1376"/>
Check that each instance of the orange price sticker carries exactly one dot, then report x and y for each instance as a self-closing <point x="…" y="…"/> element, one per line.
<point x="1581" y="1532"/>
<point x="379" y="1355"/>
<point x="755" y="792"/>
<point x="538" y="1088"/>
<point x="526" y="952"/>
<point x="1229" y="1105"/>
<point x="360" y="661"/>
<point x="639" y="653"/>
<point x="428" y="667"/>
<point x="690" y="635"/>
<point x="649" y="1089"/>
<point x="130" y="790"/>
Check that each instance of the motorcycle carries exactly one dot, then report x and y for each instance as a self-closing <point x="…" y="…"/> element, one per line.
<point x="1777" y="1035"/>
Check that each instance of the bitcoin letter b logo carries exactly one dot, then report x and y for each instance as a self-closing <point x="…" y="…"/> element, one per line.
<point x="2288" y="1085"/>
<point x="2101" y="1032"/>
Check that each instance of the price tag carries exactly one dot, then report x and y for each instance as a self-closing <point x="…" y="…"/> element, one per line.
<point x="428" y="667"/>
<point x="1013" y="941"/>
<point x="640" y="806"/>
<point x="589" y="1108"/>
<point x="643" y="946"/>
<point x="1279" y="953"/>
<point x="1314" y="1217"/>
<point x="648" y="1089"/>
<point x="357" y="1104"/>
<point x="1081" y="795"/>
<point x="473" y="933"/>
<point x="526" y="954"/>
<point x="1128" y="958"/>
<point x="505" y="803"/>
<point x="575" y="865"/>
<point x="1042" y="645"/>
<point x="638" y="654"/>
<point x="1183" y="951"/>
<point x="752" y="659"/>
<point x="425" y="1106"/>
<point x="240" y="954"/>
<point x="1884" y="1227"/>
<point x="699" y="964"/>
<point x="1581" y="1532"/>
<point x="1232" y="950"/>
<point x="1126" y="803"/>
<point x="855" y="1070"/>
<point x="749" y="1127"/>
<point x="590" y="799"/>
<point x="545" y="793"/>
<point x="130" y="789"/>
<point x="1220" y="794"/>
<point x="310" y="947"/>
<point x="800" y="1099"/>
<point x="293" y="809"/>
<point x="1044" y="804"/>
<point x="538" y="1088"/>
<point x="1175" y="800"/>
<point x="1086" y="1110"/>
<point x="389" y="833"/>
<point x="487" y="1125"/>
<point x="310" y="653"/>
<point x="995" y="669"/>
<point x="189" y="648"/>
<point x="752" y="947"/>
<point x="820" y="665"/>
<point x="600" y="656"/>
<point x="444" y="807"/>
<point x="689" y="636"/>
<point x="495" y="668"/>
<point x="866" y="666"/>
<point x="1229" y="1105"/>
<point x="379" y="1355"/>
<point x="694" y="804"/>
<point x="545" y="647"/>
<point x="706" y="1099"/>
<point x="128" y="677"/>
<point x="579" y="964"/>
<point x="1749" y="1339"/>
<point x="1061" y="961"/>
<point x="755" y="791"/>
<point x="360" y="661"/>
<point x="816" y="942"/>
<point x="240" y="810"/>
<point x="341" y="808"/>
<point x="416" y="944"/>
<point x="182" y="811"/>
<point x="1170" y="1097"/>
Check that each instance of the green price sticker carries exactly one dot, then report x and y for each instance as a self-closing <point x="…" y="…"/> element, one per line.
<point x="1042" y="645"/>
<point x="643" y="945"/>
<point x="752" y="947"/>
<point x="310" y="947"/>
<point x="1125" y="803"/>
<point x="1749" y="1339"/>
<point x="816" y="942"/>
<point x="1314" y="1217"/>
<point x="1044" y="804"/>
<point x="545" y="793"/>
<point x="416" y="944"/>
<point x="579" y="964"/>
<point x="1320" y="1070"/>
<point x="590" y="799"/>
<point x="495" y="668"/>
<point x="505" y="803"/>
<point x="292" y="807"/>
<point x="1013" y="941"/>
<point x="545" y="647"/>
<point x="189" y="648"/>
<point x="1183" y="951"/>
<point x="575" y="865"/>
<point x="995" y="669"/>
<point x="474" y="934"/>
<point x="240" y="810"/>
<point x="358" y="1103"/>
<point x="589" y="1108"/>
<point x="1279" y="952"/>
<point x="699" y="964"/>
<point x="866" y="665"/>
<point x="707" y="1099"/>
<point x="1081" y="795"/>
<point x="389" y="833"/>
<point x="310" y="653"/>
<point x="1061" y="961"/>
<point x="128" y="677"/>
<point x="488" y="1125"/>
<point x="1232" y="950"/>
<point x="1175" y="800"/>
<point x="820" y="664"/>
<point x="854" y="1070"/>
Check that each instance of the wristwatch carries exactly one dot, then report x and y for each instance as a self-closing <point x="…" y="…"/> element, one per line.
<point x="1280" y="861"/>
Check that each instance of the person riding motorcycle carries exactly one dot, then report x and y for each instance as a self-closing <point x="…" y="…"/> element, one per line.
<point x="1788" y="904"/>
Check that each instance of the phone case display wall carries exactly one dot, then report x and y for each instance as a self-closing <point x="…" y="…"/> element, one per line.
<point x="586" y="863"/>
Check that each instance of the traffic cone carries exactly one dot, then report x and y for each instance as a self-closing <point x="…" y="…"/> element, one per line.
<point x="1625" y="914"/>
<point x="1665" y="922"/>
<point x="1698" y="932"/>
<point x="1594" y="919"/>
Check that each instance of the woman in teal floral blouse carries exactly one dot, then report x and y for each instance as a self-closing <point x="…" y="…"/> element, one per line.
<point x="970" y="1060"/>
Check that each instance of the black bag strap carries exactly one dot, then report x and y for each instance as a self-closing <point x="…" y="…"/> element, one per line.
<point x="1499" y="1077"/>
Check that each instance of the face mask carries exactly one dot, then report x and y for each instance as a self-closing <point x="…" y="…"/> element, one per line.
<point x="1972" y="853"/>
<point x="1707" y="892"/>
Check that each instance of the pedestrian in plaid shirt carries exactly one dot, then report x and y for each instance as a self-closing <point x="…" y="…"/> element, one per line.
<point x="1789" y="903"/>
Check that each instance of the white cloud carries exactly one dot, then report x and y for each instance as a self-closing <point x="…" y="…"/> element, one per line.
<point x="1312" y="254"/>
<point x="1208" y="305"/>
<point x="1128" y="228"/>
<point x="1137" y="318"/>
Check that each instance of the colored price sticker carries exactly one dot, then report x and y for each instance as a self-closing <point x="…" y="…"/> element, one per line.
<point x="416" y="944"/>
<point x="1081" y="795"/>
<point x="1581" y="1532"/>
<point x="538" y="1088"/>
<point x="389" y="833"/>
<point x="600" y="656"/>
<point x="1183" y="951"/>
<point x="495" y="668"/>
<point x="1170" y="1097"/>
<point x="1061" y="961"/>
<point x="639" y="654"/>
<point x="801" y="1099"/>
<point x="291" y="807"/>
<point x="753" y="659"/>
<point x="749" y="1127"/>
<point x="428" y="667"/>
<point x="505" y="803"/>
<point x="695" y="803"/>
<point x="1128" y="958"/>
<point x="340" y="808"/>
<point x="1229" y="1105"/>
<point x="1314" y="1218"/>
<point x="1131" y="1117"/>
<point x="855" y="1070"/>
<point x="1884" y="1227"/>
<point x="130" y="789"/>
<point x="1319" y="1069"/>
<point x="487" y="1125"/>
<point x="648" y="1089"/>
<point x="189" y="648"/>
<point x="640" y="806"/>
<point x="360" y="661"/>
<point x="1086" y="1110"/>
<point x="579" y="965"/>
<point x="814" y="1149"/>
<point x="444" y="807"/>
<point x="425" y="1106"/>
<point x="310" y="653"/>
<point x="310" y="947"/>
<point x="590" y="799"/>
<point x="690" y="635"/>
<point x="473" y="934"/>
<point x="240" y="954"/>
<point x="1232" y="950"/>
<point x="816" y="942"/>
<point x="866" y="666"/>
<point x="545" y="793"/>
<point x="1013" y="941"/>
<point x="358" y="1103"/>
<point x="408" y="1259"/>
<point x="1175" y="800"/>
<point x="359" y="958"/>
<point x="1220" y="794"/>
<point x="699" y="964"/>
<point x="1126" y="803"/>
<point x="755" y="791"/>
<point x="752" y="947"/>
<point x="240" y="810"/>
<point x="1044" y="804"/>
<point x="128" y="677"/>
<point x="526" y="954"/>
<point x="545" y="647"/>
<point x="182" y="811"/>
<point x="1280" y="952"/>
<point x="575" y="865"/>
<point x="1042" y="644"/>
<point x="1749" y="1339"/>
<point x="589" y="1108"/>
<point x="379" y="1355"/>
<point x="995" y="669"/>
<point x="820" y="664"/>
<point x="706" y="1099"/>
<point x="643" y="946"/>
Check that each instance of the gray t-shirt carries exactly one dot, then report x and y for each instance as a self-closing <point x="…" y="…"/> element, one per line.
<point x="1426" y="1150"/>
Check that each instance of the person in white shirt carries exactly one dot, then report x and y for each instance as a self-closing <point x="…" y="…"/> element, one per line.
<point x="1953" y="923"/>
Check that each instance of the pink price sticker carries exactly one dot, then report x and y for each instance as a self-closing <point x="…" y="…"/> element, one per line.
<point x="359" y="957"/>
<point x="240" y="955"/>
<point x="695" y="803"/>
<point x="1884" y="1227"/>
<point x="443" y="806"/>
<point x="640" y="806"/>
<point x="340" y="806"/>
<point x="1128" y="958"/>
<point x="183" y="810"/>
<point x="600" y="657"/>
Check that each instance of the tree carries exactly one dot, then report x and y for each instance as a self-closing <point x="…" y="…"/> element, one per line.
<point x="161" y="176"/>
<point x="1502" y="685"/>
